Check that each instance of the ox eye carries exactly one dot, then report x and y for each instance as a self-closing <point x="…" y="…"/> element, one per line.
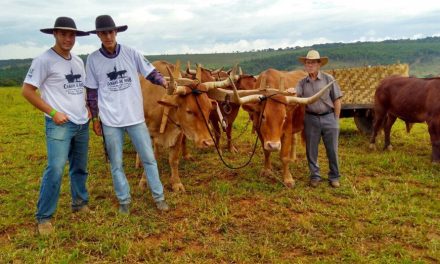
<point x="189" y="112"/>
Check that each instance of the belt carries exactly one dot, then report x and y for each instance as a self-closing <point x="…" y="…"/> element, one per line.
<point x="320" y="114"/>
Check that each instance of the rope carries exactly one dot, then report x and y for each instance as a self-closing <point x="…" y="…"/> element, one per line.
<point x="217" y="147"/>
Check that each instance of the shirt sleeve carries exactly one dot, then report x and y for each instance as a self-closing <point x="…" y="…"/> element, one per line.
<point x="91" y="80"/>
<point x="155" y="77"/>
<point x="92" y="101"/>
<point x="335" y="91"/>
<point x="37" y="73"/>
<point x="144" y="67"/>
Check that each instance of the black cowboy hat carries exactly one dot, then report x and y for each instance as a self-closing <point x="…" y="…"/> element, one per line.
<point x="106" y="23"/>
<point x="64" y="23"/>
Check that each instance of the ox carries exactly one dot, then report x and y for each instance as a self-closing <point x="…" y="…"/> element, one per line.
<point x="228" y="110"/>
<point x="411" y="99"/>
<point x="276" y="117"/>
<point x="188" y="108"/>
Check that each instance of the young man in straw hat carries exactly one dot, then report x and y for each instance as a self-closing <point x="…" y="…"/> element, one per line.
<point x="59" y="75"/>
<point x="321" y="118"/>
<point x="113" y="84"/>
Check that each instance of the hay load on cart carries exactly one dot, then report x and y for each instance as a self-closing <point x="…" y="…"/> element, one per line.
<point x="359" y="85"/>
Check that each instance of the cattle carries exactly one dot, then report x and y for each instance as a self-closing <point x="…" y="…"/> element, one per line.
<point x="229" y="111"/>
<point x="281" y="117"/>
<point x="413" y="100"/>
<point x="188" y="108"/>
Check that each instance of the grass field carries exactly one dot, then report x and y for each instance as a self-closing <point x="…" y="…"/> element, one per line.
<point x="386" y="211"/>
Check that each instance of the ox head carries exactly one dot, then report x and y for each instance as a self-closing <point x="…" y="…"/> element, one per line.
<point x="192" y="107"/>
<point x="269" y="113"/>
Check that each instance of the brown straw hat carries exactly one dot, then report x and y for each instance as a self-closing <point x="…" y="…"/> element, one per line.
<point x="64" y="23"/>
<point x="313" y="55"/>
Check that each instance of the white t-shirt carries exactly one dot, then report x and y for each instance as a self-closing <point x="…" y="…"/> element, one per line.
<point x="117" y="80"/>
<point x="61" y="84"/>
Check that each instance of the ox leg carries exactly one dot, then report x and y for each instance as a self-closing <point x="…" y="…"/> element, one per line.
<point x="217" y="130"/>
<point x="267" y="170"/>
<point x="292" y="153"/>
<point x="387" y="131"/>
<point x="173" y="160"/>
<point x="434" y="133"/>
<point x="379" y="118"/>
<point x="286" y="144"/>
<point x="185" y="153"/>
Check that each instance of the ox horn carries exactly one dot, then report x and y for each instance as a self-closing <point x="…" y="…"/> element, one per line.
<point x="217" y="71"/>
<point x="188" y="68"/>
<point x="220" y="84"/>
<point x="177" y="69"/>
<point x="308" y="100"/>
<point x="173" y="88"/>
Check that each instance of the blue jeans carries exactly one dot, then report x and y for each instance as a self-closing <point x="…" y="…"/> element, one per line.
<point x="140" y="137"/>
<point x="64" y="142"/>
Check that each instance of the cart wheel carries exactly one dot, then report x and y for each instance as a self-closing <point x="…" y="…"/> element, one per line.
<point x="364" y="122"/>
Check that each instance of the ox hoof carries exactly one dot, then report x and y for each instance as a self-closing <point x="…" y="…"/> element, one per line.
<point x="389" y="148"/>
<point x="372" y="146"/>
<point x="188" y="157"/>
<point x="178" y="187"/>
<point x="289" y="183"/>
<point x="266" y="173"/>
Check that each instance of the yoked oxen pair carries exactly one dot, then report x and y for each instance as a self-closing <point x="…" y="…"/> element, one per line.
<point x="229" y="110"/>
<point x="170" y="117"/>
<point x="271" y="111"/>
<point x="411" y="99"/>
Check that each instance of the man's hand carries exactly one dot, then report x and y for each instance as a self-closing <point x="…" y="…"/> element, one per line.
<point x="60" y="118"/>
<point x="97" y="128"/>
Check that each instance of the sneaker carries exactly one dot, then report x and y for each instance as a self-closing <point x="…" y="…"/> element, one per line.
<point x="162" y="206"/>
<point x="124" y="209"/>
<point x="335" y="184"/>
<point x="314" y="182"/>
<point x="45" y="228"/>
<point x="84" y="210"/>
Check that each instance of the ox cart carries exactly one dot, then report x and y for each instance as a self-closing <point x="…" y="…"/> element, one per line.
<point x="359" y="85"/>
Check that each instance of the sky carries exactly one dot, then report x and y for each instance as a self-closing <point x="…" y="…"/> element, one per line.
<point x="203" y="26"/>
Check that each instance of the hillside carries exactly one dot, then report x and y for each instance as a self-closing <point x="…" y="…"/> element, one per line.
<point x="423" y="56"/>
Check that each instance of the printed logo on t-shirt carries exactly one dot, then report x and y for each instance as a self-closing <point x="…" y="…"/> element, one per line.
<point x="117" y="80"/>
<point x="74" y="85"/>
<point x="30" y="73"/>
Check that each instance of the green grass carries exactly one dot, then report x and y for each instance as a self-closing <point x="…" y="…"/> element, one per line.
<point x="387" y="210"/>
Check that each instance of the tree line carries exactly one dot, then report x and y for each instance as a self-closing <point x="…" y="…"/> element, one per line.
<point x="423" y="55"/>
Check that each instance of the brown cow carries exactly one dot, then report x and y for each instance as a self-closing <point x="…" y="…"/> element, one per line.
<point x="183" y="118"/>
<point x="229" y="112"/>
<point x="281" y="116"/>
<point x="411" y="99"/>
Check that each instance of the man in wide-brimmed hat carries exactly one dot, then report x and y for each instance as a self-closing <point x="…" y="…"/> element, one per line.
<point x="113" y="84"/>
<point x="321" y="118"/>
<point x="59" y="75"/>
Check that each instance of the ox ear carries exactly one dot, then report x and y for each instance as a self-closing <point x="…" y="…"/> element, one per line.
<point x="169" y="101"/>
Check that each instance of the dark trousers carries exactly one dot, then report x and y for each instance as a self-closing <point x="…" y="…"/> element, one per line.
<point x="327" y="127"/>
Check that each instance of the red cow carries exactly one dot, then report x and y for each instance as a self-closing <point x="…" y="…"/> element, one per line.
<point x="411" y="99"/>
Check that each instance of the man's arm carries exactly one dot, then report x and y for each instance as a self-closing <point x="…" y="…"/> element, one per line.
<point x="92" y="103"/>
<point x="157" y="78"/>
<point x="30" y="93"/>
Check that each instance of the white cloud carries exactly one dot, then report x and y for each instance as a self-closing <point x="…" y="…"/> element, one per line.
<point x="196" y="26"/>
